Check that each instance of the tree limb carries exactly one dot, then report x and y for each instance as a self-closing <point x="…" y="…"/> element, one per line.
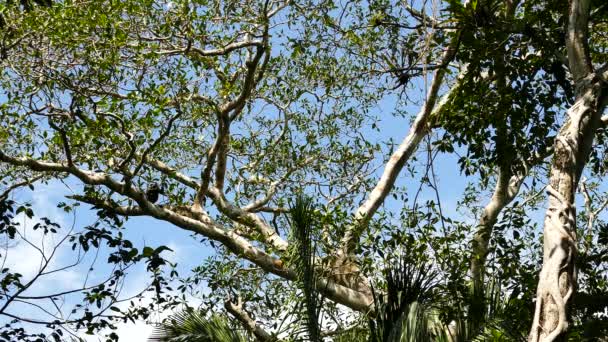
<point x="399" y="158"/>
<point x="249" y="323"/>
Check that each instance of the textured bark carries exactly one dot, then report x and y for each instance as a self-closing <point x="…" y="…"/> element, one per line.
<point x="196" y="222"/>
<point x="248" y="322"/>
<point x="557" y="279"/>
<point x="507" y="187"/>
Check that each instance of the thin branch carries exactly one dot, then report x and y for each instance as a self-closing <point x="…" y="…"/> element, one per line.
<point x="127" y="134"/>
<point x="189" y="50"/>
<point x="154" y="144"/>
<point x="64" y="141"/>
<point x="113" y="207"/>
<point x="26" y="182"/>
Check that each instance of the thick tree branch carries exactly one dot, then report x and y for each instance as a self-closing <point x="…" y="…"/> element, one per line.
<point x="225" y="207"/>
<point x="399" y="158"/>
<point x="129" y="210"/>
<point x="247" y="218"/>
<point x="201" y="225"/>
<point x="576" y="42"/>
<point x="508" y="184"/>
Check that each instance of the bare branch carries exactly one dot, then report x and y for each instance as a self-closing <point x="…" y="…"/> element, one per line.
<point x="64" y="141"/>
<point x="254" y="206"/>
<point x="105" y="204"/>
<point x="247" y="218"/>
<point x="127" y="134"/>
<point x="160" y="138"/>
<point x="233" y="212"/>
<point x="189" y="50"/>
<point x="235" y="106"/>
<point x="576" y="42"/>
<point x="591" y="214"/>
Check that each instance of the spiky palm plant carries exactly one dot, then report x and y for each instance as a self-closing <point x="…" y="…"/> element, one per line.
<point x="409" y="310"/>
<point x="410" y="284"/>
<point x="302" y="231"/>
<point x="193" y="326"/>
<point x="485" y="316"/>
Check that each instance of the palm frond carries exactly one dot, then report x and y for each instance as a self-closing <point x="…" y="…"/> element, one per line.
<point x="486" y="317"/>
<point x="302" y="222"/>
<point x="193" y="326"/>
<point x="409" y="283"/>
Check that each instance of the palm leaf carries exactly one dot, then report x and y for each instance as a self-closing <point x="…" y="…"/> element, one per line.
<point x="409" y="283"/>
<point x="193" y="326"/>
<point x="302" y="222"/>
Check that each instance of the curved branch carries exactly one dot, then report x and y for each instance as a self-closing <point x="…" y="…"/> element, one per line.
<point x="203" y="225"/>
<point x="397" y="161"/>
<point x="26" y="182"/>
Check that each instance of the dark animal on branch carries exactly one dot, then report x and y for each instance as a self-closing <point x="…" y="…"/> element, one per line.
<point x="153" y="192"/>
<point x="559" y="74"/>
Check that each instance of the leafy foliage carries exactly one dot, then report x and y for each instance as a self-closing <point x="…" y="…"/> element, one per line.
<point x="302" y="220"/>
<point x="211" y="116"/>
<point x="192" y="325"/>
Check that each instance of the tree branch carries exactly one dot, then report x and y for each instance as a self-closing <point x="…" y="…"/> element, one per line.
<point x="576" y="42"/>
<point x="249" y="323"/>
<point x="399" y="158"/>
<point x="8" y="190"/>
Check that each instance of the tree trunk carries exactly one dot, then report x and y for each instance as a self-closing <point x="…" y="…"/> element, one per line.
<point x="557" y="280"/>
<point x="481" y="239"/>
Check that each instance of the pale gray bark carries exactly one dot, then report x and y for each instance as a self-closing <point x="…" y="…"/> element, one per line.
<point x="409" y="145"/>
<point x="557" y="279"/>
<point x="507" y="187"/>
<point x="236" y="310"/>
<point x="508" y="184"/>
<point x="194" y="221"/>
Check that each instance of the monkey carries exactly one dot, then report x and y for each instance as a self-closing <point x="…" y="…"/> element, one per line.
<point x="27" y="5"/>
<point x="45" y="3"/>
<point x="556" y="69"/>
<point x="153" y="192"/>
<point x="403" y="79"/>
<point x="346" y="272"/>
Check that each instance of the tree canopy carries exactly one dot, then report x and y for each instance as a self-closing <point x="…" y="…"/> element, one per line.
<point x="267" y="130"/>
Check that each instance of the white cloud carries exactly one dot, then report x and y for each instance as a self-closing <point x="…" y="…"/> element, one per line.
<point x="128" y="332"/>
<point x="134" y="332"/>
<point x="26" y="259"/>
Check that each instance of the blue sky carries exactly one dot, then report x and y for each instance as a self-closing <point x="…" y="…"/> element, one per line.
<point x="187" y="251"/>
